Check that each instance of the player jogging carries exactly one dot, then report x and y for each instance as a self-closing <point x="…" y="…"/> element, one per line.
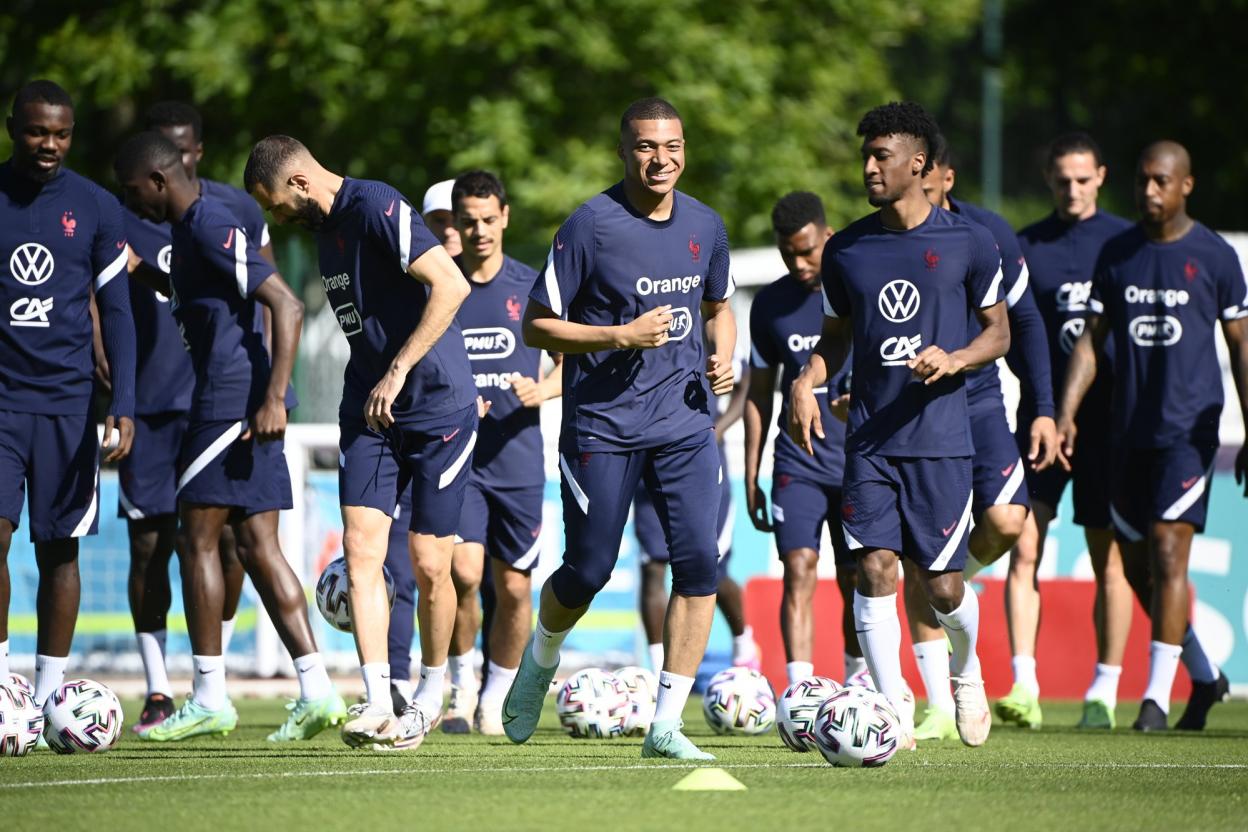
<point x="1158" y="291"/>
<point x="634" y="279"/>
<point x="408" y="413"/>
<point x="902" y="282"/>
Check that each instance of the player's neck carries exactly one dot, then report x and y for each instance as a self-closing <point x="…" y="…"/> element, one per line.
<point x="1168" y="231"/>
<point x="909" y="212"/>
<point x="182" y="195"/>
<point x="652" y="206"/>
<point x="482" y="271"/>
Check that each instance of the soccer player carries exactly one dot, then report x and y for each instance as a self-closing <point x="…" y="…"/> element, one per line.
<point x="147" y="493"/>
<point x="903" y="282"/>
<point x="231" y="469"/>
<point x="786" y="318"/>
<point x="1061" y="250"/>
<point x="438" y="212"/>
<point x="408" y="414"/>
<point x="62" y="239"/>
<point x="1000" y="505"/>
<point x="1158" y="291"/>
<point x="635" y="277"/>
<point x="502" y="513"/>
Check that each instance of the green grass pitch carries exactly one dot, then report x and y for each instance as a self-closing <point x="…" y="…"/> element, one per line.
<point x="1054" y="779"/>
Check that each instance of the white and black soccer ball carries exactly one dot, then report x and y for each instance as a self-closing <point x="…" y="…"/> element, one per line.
<point x="21" y="721"/>
<point x="905" y="708"/>
<point x="643" y="691"/>
<point x="739" y="700"/>
<point x="594" y="704"/>
<point x="857" y="728"/>
<point x="17" y="680"/>
<point x="82" y="716"/>
<point x="332" y="598"/>
<point x="796" y="710"/>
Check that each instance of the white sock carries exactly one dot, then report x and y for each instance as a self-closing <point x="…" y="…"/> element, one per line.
<point x="1163" y="663"/>
<point x="932" y="657"/>
<point x="1194" y="659"/>
<point x="853" y="664"/>
<point x="227" y="633"/>
<point x="49" y="674"/>
<point x="656" y="657"/>
<point x="879" y="636"/>
<point x="962" y="627"/>
<point x="460" y="669"/>
<point x="1025" y="673"/>
<point x="377" y="684"/>
<point x="209" y="686"/>
<point x="673" y="693"/>
<point x="4" y="660"/>
<point x="1105" y="685"/>
<point x="313" y="678"/>
<point x="429" y="691"/>
<point x="152" y="651"/>
<point x="546" y="645"/>
<point x="799" y="670"/>
<point x="743" y="647"/>
<point x="497" y="683"/>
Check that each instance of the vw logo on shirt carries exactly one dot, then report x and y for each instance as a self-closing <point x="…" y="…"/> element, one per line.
<point x="899" y="301"/>
<point x="31" y="263"/>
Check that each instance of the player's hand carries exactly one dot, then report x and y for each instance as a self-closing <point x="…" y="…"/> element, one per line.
<point x="1044" y="444"/>
<point x="719" y="374"/>
<point x="377" y="409"/>
<point x="756" y="500"/>
<point x="1066" y="434"/>
<point x="840" y="407"/>
<point x="103" y="375"/>
<point x="804" y="417"/>
<point x="1241" y="468"/>
<point x="483" y="407"/>
<point x="933" y="364"/>
<point x="527" y="390"/>
<point x="268" y="424"/>
<point x="652" y="329"/>
<point x="123" y="426"/>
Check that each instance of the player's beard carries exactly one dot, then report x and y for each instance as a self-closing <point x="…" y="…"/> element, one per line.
<point x="308" y="213"/>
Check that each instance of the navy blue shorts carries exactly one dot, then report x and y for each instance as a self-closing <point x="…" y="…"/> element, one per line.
<point x="436" y="461"/>
<point x="148" y="477"/>
<point x="58" y="457"/>
<point x="219" y="468"/>
<point x="919" y="508"/>
<point x="506" y="521"/>
<point x="799" y="510"/>
<point x="598" y="488"/>
<point x="998" y="471"/>
<point x="649" y="531"/>
<point x="1170" y="484"/>
<point x="1090" y="473"/>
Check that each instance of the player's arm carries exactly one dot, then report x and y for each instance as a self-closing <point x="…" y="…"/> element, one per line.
<point x="112" y="296"/>
<point x="760" y="393"/>
<point x="1236" y="333"/>
<point x="286" y="313"/>
<point x="1080" y="373"/>
<point x="829" y="353"/>
<point x="735" y="408"/>
<point x="1028" y="358"/>
<point x="546" y="330"/>
<point x="145" y="273"/>
<point x="97" y="347"/>
<point x="532" y="393"/>
<point x="721" y="339"/>
<point x="991" y="343"/>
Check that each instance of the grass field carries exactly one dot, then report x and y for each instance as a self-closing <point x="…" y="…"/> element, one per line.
<point x="1057" y="778"/>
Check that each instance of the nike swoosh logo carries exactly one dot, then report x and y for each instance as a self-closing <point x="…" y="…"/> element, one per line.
<point x="390" y="210"/>
<point x="665" y="685"/>
<point x="206" y="672"/>
<point x="558" y="244"/>
<point x="1189" y="483"/>
<point x="229" y="241"/>
<point x="451" y="435"/>
<point x="1005" y="472"/>
<point x="948" y="531"/>
<point x="121" y="244"/>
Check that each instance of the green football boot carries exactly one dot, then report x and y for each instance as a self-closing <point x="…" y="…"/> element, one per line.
<point x="523" y="706"/>
<point x="193" y="720"/>
<point x="936" y="725"/>
<point x="665" y="740"/>
<point x="1097" y="714"/>
<point x="1021" y="707"/>
<point x="309" y="717"/>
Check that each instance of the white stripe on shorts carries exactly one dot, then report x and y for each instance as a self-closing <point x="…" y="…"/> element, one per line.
<point x="582" y="499"/>
<point x="84" y="525"/>
<point x="951" y="545"/>
<point x="1011" y="485"/>
<point x="851" y="542"/>
<point x="210" y="453"/>
<point x="526" y="561"/>
<point x="1189" y="497"/>
<point x="1126" y="529"/>
<point x="449" y="475"/>
<point x="132" y="511"/>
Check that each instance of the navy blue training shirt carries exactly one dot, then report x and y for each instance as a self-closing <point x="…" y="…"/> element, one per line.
<point x="906" y="291"/>
<point x="608" y="266"/>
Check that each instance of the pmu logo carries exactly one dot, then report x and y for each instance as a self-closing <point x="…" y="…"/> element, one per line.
<point x="349" y="319"/>
<point x="899" y="301"/>
<point x="1074" y="297"/>
<point x="489" y="342"/>
<point x="30" y="312"/>
<point x="682" y="324"/>
<point x="31" y="264"/>
<point x="1072" y="328"/>
<point x="1155" y="330"/>
<point x="895" y="352"/>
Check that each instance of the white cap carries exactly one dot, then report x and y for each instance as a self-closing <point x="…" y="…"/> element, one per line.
<point x="438" y="197"/>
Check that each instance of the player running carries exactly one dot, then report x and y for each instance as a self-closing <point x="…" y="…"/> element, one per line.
<point x="1158" y="291"/>
<point x="1061" y="250"/>
<point x="408" y="414"/>
<point x="61" y="240"/>
<point x="785" y="320"/>
<point x="635" y="276"/>
<point x="902" y="283"/>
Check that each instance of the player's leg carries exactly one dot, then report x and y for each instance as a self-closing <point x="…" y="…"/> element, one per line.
<point x="931" y="656"/>
<point x="467" y="568"/>
<point x="1022" y="614"/>
<point x="1001" y="503"/>
<point x="402" y="627"/>
<point x="233" y="574"/>
<point x="652" y="594"/>
<point x="14" y="453"/>
<point x="1112" y="614"/>
<point x="151" y="548"/>
<point x="846" y="582"/>
<point x="728" y="595"/>
<point x="6" y="540"/>
<point x="798" y="511"/>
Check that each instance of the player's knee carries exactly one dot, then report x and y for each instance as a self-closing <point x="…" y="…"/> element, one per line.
<point x="696" y="578"/>
<point x="576" y="587"/>
<point x="430" y="572"/>
<point x="1004" y="524"/>
<point x="514" y="590"/>
<point x="877" y="573"/>
<point x="800" y="576"/>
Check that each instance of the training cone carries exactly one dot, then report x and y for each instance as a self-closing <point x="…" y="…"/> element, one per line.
<point x="709" y="780"/>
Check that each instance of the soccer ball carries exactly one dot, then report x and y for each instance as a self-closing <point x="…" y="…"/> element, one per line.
<point x="739" y="701"/>
<point x="643" y="690"/>
<point x="857" y="728"/>
<point x="332" y="598"/>
<point x="594" y="704"/>
<point x="905" y="710"/>
<point x="21" y="721"/>
<point x="82" y="715"/>
<point x="795" y="712"/>
<point x="17" y="680"/>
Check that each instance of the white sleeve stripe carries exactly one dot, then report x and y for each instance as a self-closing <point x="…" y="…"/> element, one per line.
<point x="732" y="287"/>
<point x="264" y="235"/>
<point x="112" y="270"/>
<point x="993" y="296"/>
<point x="1020" y="286"/>
<point x="756" y="358"/>
<point x="240" y="261"/>
<point x="1234" y="313"/>
<point x="552" y="284"/>
<point x="1096" y="306"/>
<point x="828" y="311"/>
<point x="405" y="235"/>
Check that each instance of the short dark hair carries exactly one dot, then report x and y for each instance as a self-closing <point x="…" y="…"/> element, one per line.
<point x="902" y="118"/>
<point x="145" y="151"/>
<point x="268" y="159"/>
<point x="942" y="154"/>
<point x="794" y="211"/>
<point x="175" y="114"/>
<point x="478" y="183"/>
<point x="1074" y="142"/>
<point x="43" y="91"/>
<point x="648" y="109"/>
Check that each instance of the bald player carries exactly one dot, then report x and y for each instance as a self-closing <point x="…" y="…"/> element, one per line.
<point x="1158" y="291"/>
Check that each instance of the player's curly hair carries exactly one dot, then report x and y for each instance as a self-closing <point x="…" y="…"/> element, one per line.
<point x="144" y="152"/>
<point x="794" y="211"/>
<point x="902" y="118"/>
<point x="479" y="183"/>
<point x="41" y="91"/>
<point x="175" y="114"/>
